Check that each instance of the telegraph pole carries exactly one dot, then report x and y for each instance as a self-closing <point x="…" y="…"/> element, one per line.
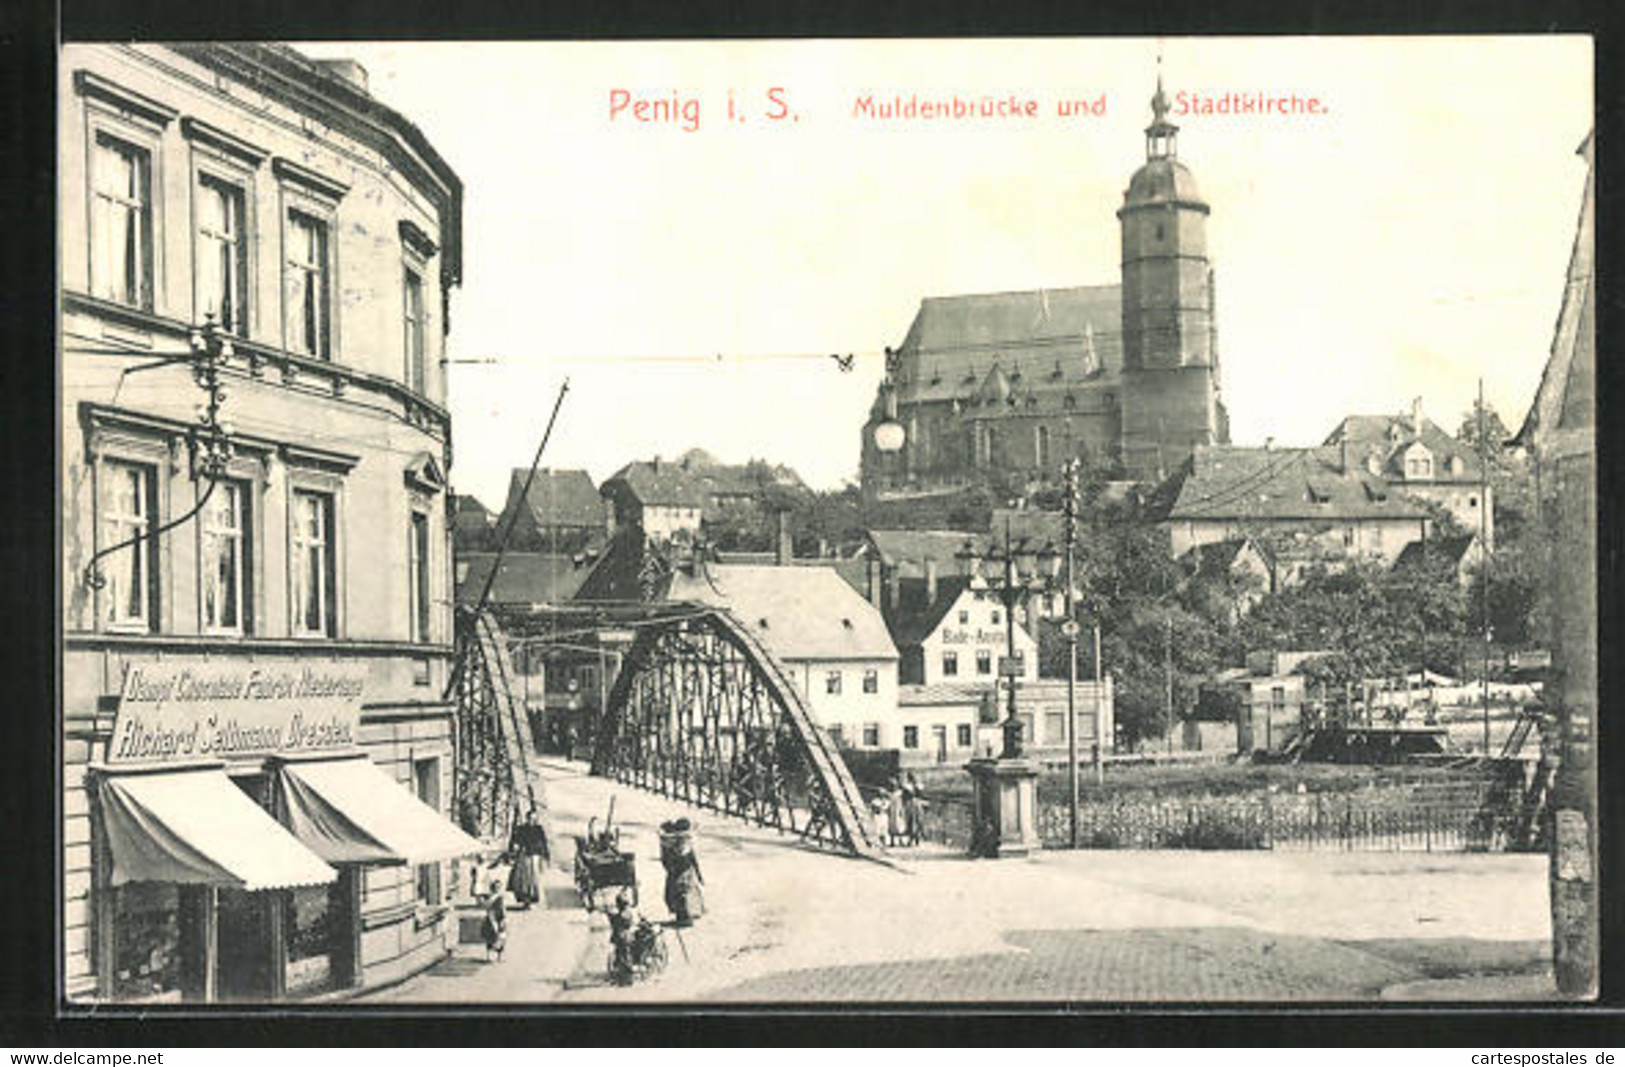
<point x="1071" y="630"/>
<point x="1100" y="698"/>
<point x="1484" y="566"/>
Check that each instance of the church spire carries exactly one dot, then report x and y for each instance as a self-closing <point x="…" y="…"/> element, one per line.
<point x="1159" y="136"/>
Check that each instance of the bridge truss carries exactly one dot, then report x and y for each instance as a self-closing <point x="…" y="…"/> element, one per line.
<point x="700" y="712"/>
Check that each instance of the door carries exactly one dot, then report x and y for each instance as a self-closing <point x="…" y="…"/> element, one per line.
<point x="246" y="952"/>
<point x="939" y="735"/>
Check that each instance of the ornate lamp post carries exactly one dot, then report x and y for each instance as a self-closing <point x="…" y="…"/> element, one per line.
<point x="889" y="434"/>
<point x="210" y="439"/>
<point x="1006" y="787"/>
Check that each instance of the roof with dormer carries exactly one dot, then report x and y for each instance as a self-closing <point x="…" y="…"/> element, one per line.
<point x="1388" y="438"/>
<point x="1229" y="483"/>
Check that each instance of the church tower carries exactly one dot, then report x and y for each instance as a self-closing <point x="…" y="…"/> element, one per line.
<point x="1170" y="391"/>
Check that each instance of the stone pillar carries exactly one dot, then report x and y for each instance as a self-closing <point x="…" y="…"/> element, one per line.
<point x="1007" y="796"/>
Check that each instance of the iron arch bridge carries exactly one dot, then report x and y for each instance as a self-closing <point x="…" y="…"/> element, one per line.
<point x="700" y="712"/>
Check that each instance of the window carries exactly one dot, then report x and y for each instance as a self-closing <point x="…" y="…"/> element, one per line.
<point x="871" y="735"/>
<point x="1278" y="697"/>
<point x="121" y="223"/>
<point x="1419" y="467"/>
<point x="963" y="735"/>
<point x="314" y="565"/>
<point x="128" y="507"/>
<point x="984" y="661"/>
<point x="426" y="782"/>
<point x="1054" y="727"/>
<point x="964" y="618"/>
<point x="1041" y="446"/>
<point x="950" y="664"/>
<point x="419" y="549"/>
<point x="222" y="254"/>
<point x="412" y="300"/>
<point x="226" y="560"/>
<point x="308" y="328"/>
<point x="911" y="737"/>
<point x="832" y="682"/>
<point x="995" y="618"/>
<point x="871" y="681"/>
<point x="1348" y="537"/>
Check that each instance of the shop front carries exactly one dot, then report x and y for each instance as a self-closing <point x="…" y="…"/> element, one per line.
<point x="235" y="817"/>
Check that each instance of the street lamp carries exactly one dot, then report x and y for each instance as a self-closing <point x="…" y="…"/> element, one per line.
<point x="889" y="434"/>
<point x="1014" y="584"/>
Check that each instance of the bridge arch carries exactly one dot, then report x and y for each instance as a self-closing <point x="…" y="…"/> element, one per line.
<point x="702" y="713"/>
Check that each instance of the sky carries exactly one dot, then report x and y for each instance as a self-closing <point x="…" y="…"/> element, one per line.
<point x="690" y="276"/>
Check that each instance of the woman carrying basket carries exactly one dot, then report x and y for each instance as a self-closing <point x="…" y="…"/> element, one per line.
<point x="683" y="879"/>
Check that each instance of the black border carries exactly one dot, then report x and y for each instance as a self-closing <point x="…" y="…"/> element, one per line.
<point x="28" y="38"/>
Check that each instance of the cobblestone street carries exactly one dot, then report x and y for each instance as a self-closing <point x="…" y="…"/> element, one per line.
<point x="787" y="923"/>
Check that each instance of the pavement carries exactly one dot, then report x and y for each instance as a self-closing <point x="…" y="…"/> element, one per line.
<point x="786" y="922"/>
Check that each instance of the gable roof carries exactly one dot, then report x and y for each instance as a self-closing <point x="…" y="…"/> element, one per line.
<point x="1389" y="437"/>
<point x="1231" y="483"/>
<point x="797" y="613"/>
<point x="1219" y="557"/>
<point x="525" y="577"/>
<point x="1453" y="549"/>
<point x="557" y="498"/>
<point x="1047" y="338"/>
<point x="915" y="616"/>
<point x="660" y="484"/>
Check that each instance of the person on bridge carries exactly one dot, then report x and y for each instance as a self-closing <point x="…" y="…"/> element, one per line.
<point x="684" y="899"/>
<point x="527" y="841"/>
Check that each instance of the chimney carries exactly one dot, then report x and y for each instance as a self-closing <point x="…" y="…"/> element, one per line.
<point x="894" y="582"/>
<point x="784" y="548"/>
<point x="346" y="70"/>
<point x="930" y="581"/>
<point x="874" y="581"/>
<point x="1343" y="453"/>
<point x="1416" y="416"/>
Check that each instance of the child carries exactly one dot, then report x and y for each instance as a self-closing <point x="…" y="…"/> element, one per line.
<point x="623" y="929"/>
<point x="495" y="926"/>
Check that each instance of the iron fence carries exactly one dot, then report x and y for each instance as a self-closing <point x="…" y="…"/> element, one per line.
<point x="1460" y="817"/>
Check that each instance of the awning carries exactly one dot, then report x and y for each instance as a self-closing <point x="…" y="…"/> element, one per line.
<point x="196" y="827"/>
<point x="348" y="811"/>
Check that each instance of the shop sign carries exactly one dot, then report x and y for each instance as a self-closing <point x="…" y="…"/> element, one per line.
<point x="178" y="710"/>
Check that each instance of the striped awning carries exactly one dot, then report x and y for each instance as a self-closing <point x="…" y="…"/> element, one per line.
<point x="195" y="827"/>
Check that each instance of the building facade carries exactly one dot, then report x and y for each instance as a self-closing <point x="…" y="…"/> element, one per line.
<point x="1013" y="384"/>
<point x="1416" y="457"/>
<point x="831" y="642"/>
<point x="256" y="601"/>
<point x="1299" y="507"/>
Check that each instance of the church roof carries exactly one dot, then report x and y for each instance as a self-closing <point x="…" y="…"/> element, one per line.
<point x="1040" y="339"/>
<point x="1162" y="180"/>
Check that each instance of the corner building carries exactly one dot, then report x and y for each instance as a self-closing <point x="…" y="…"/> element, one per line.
<point x="1123" y="376"/>
<point x="257" y="760"/>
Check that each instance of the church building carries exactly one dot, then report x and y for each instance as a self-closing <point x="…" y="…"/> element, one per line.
<point x="1013" y="384"/>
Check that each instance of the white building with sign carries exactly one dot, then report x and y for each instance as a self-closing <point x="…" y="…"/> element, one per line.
<point x="256" y="639"/>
